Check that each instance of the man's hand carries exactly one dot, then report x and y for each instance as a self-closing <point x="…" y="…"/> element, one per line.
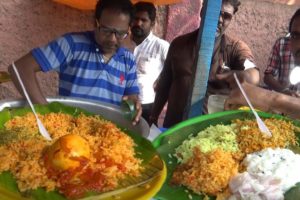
<point x="155" y="84"/>
<point x="27" y="67"/>
<point x="260" y="98"/>
<point x="275" y="84"/>
<point x="138" y="107"/>
<point x="291" y="93"/>
<point x="236" y="98"/>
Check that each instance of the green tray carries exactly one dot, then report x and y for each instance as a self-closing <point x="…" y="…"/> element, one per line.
<point x="173" y="137"/>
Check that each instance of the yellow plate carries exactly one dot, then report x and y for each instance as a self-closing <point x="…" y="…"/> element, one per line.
<point x="143" y="192"/>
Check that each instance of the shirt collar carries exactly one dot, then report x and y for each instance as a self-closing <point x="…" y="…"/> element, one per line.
<point x="148" y="38"/>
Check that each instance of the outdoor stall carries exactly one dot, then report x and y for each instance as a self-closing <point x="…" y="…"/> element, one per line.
<point x="94" y="152"/>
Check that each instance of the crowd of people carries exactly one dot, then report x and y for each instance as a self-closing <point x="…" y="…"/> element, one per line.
<point x="123" y="59"/>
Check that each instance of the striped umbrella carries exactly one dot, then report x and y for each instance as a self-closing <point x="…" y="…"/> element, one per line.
<point x="90" y="4"/>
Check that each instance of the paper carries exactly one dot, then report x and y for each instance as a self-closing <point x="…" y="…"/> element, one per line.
<point x="154" y="132"/>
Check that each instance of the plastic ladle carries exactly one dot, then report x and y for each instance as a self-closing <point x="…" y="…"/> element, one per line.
<point x="261" y="125"/>
<point x="41" y="127"/>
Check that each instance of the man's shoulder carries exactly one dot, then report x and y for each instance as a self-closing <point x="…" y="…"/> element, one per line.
<point x="126" y="54"/>
<point x="190" y="37"/>
<point x="234" y="42"/>
<point x="283" y="40"/>
<point x="230" y="40"/>
<point x="86" y="36"/>
<point x="160" y="43"/>
<point x="124" y="51"/>
<point x="160" y="40"/>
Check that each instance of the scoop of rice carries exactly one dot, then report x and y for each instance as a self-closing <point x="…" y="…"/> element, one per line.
<point x="207" y="173"/>
<point x="251" y="139"/>
<point x="213" y="137"/>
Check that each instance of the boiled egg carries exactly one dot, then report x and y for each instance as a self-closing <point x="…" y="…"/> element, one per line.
<point x="67" y="152"/>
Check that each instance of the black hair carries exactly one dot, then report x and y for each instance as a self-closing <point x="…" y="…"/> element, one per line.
<point x="296" y="14"/>
<point x="124" y="6"/>
<point x="234" y="3"/>
<point x="147" y="7"/>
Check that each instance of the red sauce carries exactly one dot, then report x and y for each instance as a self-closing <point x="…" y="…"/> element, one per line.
<point x="77" y="181"/>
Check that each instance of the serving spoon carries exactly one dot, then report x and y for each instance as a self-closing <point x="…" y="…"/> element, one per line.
<point x="41" y="127"/>
<point x="261" y="125"/>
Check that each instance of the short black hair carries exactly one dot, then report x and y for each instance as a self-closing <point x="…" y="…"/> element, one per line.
<point x="234" y="3"/>
<point x="147" y="7"/>
<point x="296" y="14"/>
<point x="124" y="6"/>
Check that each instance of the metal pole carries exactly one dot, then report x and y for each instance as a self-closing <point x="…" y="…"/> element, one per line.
<point x="206" y="40"/>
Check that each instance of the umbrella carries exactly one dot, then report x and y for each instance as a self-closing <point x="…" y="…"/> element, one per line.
<point x="79" y="4"/>
<point x="158" y="2"/>
<point x="90" y="4"/>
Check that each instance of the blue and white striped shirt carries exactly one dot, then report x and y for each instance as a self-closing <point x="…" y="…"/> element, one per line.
<point x="83" y="72"/>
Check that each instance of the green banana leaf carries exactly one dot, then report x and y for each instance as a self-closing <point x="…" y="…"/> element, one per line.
<point x="173" y="137"/>
<point x="8" y="186"/>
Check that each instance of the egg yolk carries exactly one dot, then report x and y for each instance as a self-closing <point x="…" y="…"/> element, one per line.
<point x="67" y="152"/>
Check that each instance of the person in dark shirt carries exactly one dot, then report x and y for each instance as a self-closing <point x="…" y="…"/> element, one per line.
<point x="177" y="77"/>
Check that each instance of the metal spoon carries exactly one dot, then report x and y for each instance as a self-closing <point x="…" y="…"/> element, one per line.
<point x="261" y="125"/>
<point x="42" y="129"/>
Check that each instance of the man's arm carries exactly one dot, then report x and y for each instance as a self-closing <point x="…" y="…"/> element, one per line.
<point x="162" y="88"/>
<point x="273" y="83"/>
<point x="274" y="64"/>
<point x="262" y="99"/>
<point x="27" y="67"/>
<point x="241" y="62"/>
<point x="249" y="75"/>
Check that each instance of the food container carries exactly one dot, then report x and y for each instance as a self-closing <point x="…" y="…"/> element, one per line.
<point x="167" y="142"/>
<point x="108" y="111"/>
<point x="216" y="103"/>
<point x="143" y="187"/>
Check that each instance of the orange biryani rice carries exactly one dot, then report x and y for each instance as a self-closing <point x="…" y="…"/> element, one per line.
<point x="250" y="139"/>
<point x="113" y="150"/>
<point x="207" y="173"/>
<point x="210" y="172"/>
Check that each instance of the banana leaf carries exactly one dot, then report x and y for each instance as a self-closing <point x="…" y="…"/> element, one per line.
<point x="144" y="150"/>
<point x="167" y="142"/>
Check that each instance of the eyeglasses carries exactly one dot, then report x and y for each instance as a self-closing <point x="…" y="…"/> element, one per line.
<point x="120" y="35"/>
<point x="226" y="15"/>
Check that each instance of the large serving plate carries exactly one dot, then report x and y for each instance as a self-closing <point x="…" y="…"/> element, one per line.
<point x="108" y="111"/>
<point x="144" y="150"/>
<point x="167" y="142"/>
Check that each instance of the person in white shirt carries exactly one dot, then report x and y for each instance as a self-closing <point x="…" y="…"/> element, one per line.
<point x="150" y="53"/>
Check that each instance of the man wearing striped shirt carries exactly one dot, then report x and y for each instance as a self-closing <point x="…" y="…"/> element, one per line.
<point x="90" y="64"/>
